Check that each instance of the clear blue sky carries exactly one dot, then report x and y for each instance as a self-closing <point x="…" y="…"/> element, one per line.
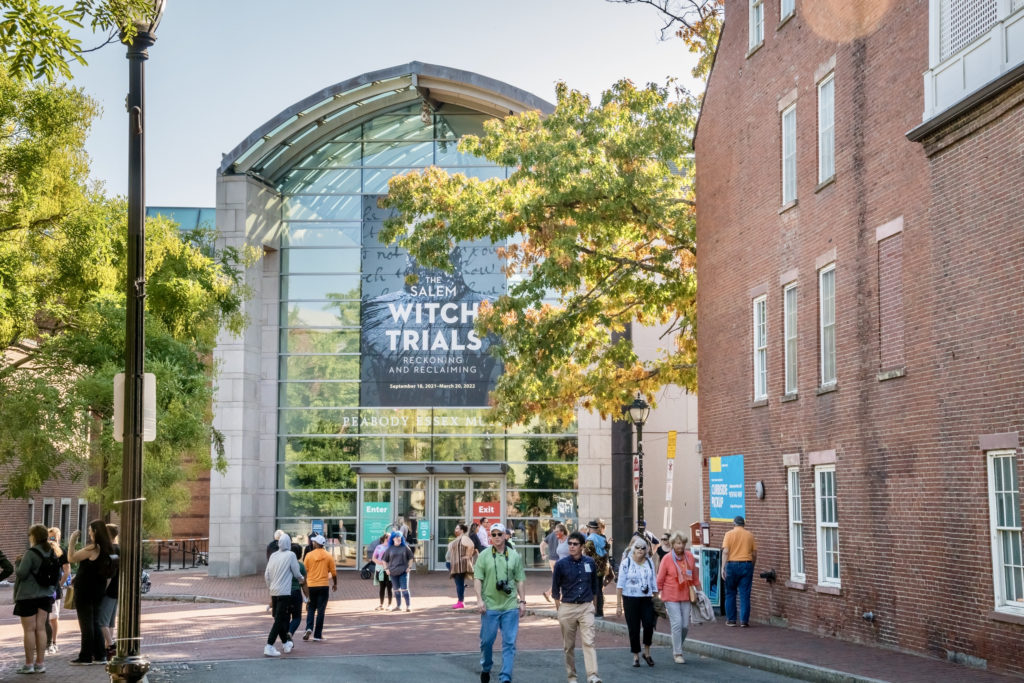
<point x="221" y="68"/>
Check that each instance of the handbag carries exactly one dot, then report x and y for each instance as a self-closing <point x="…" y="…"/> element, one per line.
<point x="69" y="597"/>
<point x="693" y="594"/>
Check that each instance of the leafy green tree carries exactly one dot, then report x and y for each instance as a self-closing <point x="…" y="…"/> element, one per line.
<point x="599" y="225"/>
<point x="36" y="38"/>
<point x="62" y="314"/>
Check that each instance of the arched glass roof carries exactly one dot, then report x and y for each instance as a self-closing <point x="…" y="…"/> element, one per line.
<point x="297" y="135"/>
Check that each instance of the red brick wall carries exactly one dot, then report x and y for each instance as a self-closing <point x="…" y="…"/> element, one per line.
<point x="912" y="481"/>
<point x="15" y="513"/>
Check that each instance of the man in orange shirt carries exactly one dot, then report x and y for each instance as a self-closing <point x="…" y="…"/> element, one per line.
<point x="319" y="565"/>
<point x="739" y="553"/>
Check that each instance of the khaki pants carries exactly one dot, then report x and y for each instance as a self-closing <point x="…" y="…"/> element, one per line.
<point x="573" y="617"/>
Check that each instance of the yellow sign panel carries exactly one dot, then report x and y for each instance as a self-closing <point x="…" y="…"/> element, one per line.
<point x="671" y="445"/>
<point x="715" y="464"/>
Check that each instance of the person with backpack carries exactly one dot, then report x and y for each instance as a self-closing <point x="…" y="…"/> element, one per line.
<point x="95" y="569"/>
<point x="36" y="576"/>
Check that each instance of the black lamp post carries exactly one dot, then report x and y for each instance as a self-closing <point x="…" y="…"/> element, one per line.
<point x="129" y="664"/>
<point x="638" y="411"/>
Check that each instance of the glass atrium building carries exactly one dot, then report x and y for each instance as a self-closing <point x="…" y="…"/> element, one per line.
<point x="356" y="399"/>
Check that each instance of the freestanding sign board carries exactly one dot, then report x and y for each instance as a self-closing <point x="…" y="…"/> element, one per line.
<point x="725" y="482"/>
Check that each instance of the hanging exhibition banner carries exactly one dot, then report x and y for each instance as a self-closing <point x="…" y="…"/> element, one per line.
<point x="725" y="482"/>
<point x="376" y="520"/>
<point x="418" y="344"/>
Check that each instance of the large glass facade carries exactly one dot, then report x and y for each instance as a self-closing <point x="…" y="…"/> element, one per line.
<point x="358" y="460"/>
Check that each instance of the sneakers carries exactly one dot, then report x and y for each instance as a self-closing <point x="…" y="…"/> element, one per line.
<point x="26" y="669"/>
<point x="730" y="623"/>
<point x="80" y="662"/>
<point x="744" y="625"/>
<point x="318" y="640"/>
<point x="52" y="649"/>
<point x="459" y="605"/>
<point x="408" y="609"/>
<point x="485" y="677"/>
<point x="398" y="608"/>
<point x="287" y="647"/>
<point x="679" y="659"/>
<point x="40" y="668"/>
<point x="307" y="634"/>
<point x="270" y="651"/>
<point x="378" y="608"/>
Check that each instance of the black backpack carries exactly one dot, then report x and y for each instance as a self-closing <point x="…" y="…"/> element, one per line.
<point x="48" y="574"/>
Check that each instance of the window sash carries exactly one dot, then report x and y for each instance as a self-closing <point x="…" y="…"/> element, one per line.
<point x="789" y="155"/>
<point x="760" y="348"/>
<point x="827" y="522"/>
<point x="827" y="296"/>
<point x="796" y="526"/>
<point x="1006" y="532"/>
<point x="826" y="129"/>
<point x="786" y="7"/>
<point x="789" y="307"/>
<point x="756" y="23"/>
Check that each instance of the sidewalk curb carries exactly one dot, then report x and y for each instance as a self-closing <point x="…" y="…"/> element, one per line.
<point x="191" y="598"/>
<point x="733" y="655"/>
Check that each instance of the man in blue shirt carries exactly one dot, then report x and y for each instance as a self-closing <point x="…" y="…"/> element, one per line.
<point x="574" y="589"/>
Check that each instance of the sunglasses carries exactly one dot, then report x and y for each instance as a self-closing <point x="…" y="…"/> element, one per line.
<point x="496" y="533"/>
<point x="574" y="543"/>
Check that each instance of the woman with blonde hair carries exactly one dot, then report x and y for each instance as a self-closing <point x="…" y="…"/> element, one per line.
<point x="33" y="600"/>
<point x="637" y="587"/>
<point x="676" y="575"/>
<point x="65" y="572"/>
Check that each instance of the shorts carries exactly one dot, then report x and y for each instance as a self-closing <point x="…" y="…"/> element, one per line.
<point x="55" y="612"/>
<point x="108" y="610"/>
<point x="30" y="606"/>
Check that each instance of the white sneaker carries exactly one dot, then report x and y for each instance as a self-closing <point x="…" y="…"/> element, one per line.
<point x="271" y="651"/>
<point x="288" y="647"/>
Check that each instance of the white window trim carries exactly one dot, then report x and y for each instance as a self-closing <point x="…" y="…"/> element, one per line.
<point x="998" y="585"/>
<point x="788" y="152"/>
<point x="829" y="132"/>
<point x="797" y="554"/>
<point x="789" y="333"/>
<point x="48" y="501"/>
<point x="755" y="28"/>
<point x="821" y="525"/>
<point x="83" y="520"/>
<point x="827" y="382"/>
<point x="760" y="339"/>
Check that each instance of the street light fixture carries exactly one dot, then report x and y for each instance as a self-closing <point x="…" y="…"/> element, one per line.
<point x="638" y="412"/>
<point x="128" y="664"/>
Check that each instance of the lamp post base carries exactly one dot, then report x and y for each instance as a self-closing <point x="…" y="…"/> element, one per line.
<point x="131" y="669"/>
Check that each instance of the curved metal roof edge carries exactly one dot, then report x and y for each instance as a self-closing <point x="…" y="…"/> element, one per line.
<point x="529" y="100"/>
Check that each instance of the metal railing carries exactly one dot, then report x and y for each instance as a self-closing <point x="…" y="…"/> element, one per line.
<point x="175" y="553"/>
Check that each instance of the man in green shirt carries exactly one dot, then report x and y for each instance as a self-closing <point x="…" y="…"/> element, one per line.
<point x="500" y="584"/>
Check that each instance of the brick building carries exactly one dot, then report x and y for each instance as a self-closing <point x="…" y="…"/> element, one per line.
<point x="59" y="502"/>
<point x="861" y="316"/>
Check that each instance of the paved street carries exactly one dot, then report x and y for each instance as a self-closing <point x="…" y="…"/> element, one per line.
<point x="197" y="628"/>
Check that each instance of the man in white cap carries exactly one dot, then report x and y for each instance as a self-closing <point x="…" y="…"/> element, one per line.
<point x="500" y="584"/>
<point x="319" y="566"/>
<point x="282" y="567"/>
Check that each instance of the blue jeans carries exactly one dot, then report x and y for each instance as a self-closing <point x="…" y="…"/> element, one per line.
<point x="490" y="622"/>
<point x="738" y="577"/>
<point x="401" y="584"/>
<point x="460" y="586"/>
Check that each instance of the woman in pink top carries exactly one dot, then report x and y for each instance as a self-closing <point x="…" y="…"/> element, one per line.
<point x="678" y="571"/>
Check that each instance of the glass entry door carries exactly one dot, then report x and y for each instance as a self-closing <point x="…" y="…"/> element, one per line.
<point x="463" y="499"/>
<point x="376" y="512"/>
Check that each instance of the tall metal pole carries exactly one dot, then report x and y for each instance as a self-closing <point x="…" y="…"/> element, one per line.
<point x="129" y="664"/>
<point x="640" y="465"/>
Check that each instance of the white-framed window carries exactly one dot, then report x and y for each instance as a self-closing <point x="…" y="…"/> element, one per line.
<point x="827" y="128"/>
<point x="83" y="518"/>
<point x="796" y="527"/>
<point x="786" y="7"/>
<point x="789" y="334"/>
<point x="31" y="512"/>
<point x="827" y="316"/>
<point x="789" y="154"/>
<point x="1004" y="520"/>
<point x="756" y="33"/>
<point x="48" y="512"/>
<point x="760" y="348"/>
<point x="827" y="521"/>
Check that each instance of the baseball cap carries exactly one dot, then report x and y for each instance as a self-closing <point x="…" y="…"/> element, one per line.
<point x="319" y="539"/>
<point x="498" y="527"/>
